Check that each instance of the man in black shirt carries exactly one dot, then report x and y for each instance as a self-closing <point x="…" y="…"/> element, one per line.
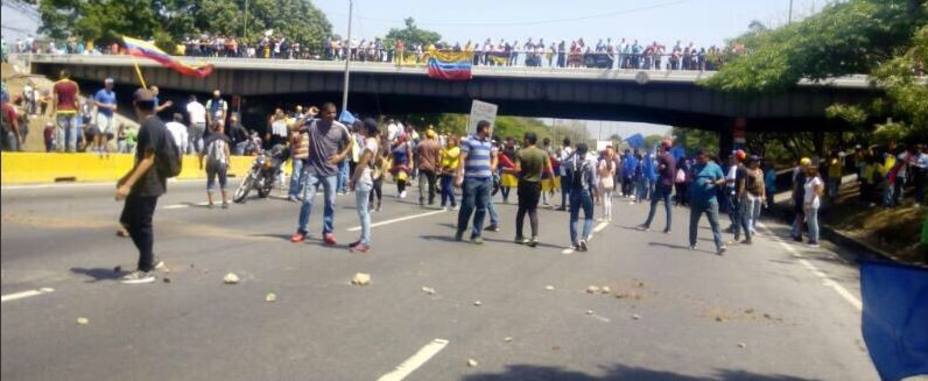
<point x="142" y="186"/>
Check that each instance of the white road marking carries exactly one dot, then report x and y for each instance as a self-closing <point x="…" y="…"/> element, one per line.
<point x="828" y="282"/>
<point x="177" y="206"/>
<point x="597" y="229"/>
<point x="25" y="294"/>
<point x="79" y="185"/>
<point x="400" y="219"/>
<point x="411" y="364"/>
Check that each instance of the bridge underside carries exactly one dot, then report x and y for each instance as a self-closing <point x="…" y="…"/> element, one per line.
<point x="682" y="104"/>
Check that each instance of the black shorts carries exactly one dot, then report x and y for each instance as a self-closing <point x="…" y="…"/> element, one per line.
<point x="529" y="194"/>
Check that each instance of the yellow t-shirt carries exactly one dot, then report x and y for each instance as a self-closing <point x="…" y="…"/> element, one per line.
<point x="888" y="164"/>
<point x="450" y="158"/>
<point x="835" y="168"/>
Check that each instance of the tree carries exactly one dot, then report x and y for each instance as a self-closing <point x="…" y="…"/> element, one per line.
<point x="615" y="138"/>
<point x="849" y="37"/>
<point x="651" y="141"/>
<point x="105" y="21"/>
<point x="412" y="35"/>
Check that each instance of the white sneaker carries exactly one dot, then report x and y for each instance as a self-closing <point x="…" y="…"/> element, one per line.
<point x="403" y="194"/>
<point x="138" y="277"/>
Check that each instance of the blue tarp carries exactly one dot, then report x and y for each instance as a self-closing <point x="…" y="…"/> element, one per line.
<point x="895" y="318"/>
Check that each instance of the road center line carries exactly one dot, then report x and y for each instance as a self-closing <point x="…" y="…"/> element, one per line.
<point x="417" y="360"/>
<point x="25" y="294"/>
<point x="400" y="219"/>
<point x="831" y="283"/>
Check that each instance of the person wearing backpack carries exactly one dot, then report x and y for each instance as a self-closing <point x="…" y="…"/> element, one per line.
<point x="145" y="182"/>
<point x="581" y="173"/>
<point x="217" y="154"/>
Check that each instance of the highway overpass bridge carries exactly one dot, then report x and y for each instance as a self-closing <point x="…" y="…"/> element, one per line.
<point x="671" y="98"/>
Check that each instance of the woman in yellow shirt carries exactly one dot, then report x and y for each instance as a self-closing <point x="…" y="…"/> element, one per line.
<point x="450" y="157"/>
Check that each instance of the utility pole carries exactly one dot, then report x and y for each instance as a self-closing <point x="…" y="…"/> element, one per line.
<point x="244" y="22"/>
<point x="347" y="59"/>
<point x="789" y="17"/>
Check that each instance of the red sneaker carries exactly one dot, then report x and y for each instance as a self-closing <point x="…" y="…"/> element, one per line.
<point x="297" y="237"/>
<point x="329" y="239"/>
<point x="360" y="248"/>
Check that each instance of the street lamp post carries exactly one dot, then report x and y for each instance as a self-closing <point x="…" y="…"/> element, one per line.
<point x="347" y="59"/>
<point x="245" y="21"/>
<point x="789" y="17"/>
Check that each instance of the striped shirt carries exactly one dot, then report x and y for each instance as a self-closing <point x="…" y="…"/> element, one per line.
<point x="478" y="157"/>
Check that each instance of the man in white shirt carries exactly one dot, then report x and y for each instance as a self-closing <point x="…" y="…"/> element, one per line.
<point x="197" y="114"/>
<point x="394" y="129"/>
<point x="178" y="131"/>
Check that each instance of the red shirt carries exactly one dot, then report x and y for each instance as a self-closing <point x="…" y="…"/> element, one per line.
<point x="9" y="113"/>
<point x="67" y="96"/>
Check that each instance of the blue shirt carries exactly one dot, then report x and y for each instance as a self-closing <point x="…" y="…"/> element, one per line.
<point x="478" y="157"/>
<point x="629" y="166"/>
<point x="105" y="97"/>
<point x="648" y="169"/>
<point x="703" y="189"/>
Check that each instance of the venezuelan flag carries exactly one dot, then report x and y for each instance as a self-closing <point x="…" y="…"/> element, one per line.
<point x="450" y="66"/>
<point x="144" y="49"/>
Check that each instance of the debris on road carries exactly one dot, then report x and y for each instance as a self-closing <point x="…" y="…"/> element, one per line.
<point x="719" y="319"/>
<point x="589" y="312"/>
<point x="477" y="303"/>
<point x="636" y="317"/>
<point x="749" y="311"/>
<point x="428" y="290"/>
<point x="82" y="321"/>
<point x="605" y="290"/>
<point x="166" y="280"/>
<point x="742" y="345"/>
<point x="472" y="363"/>
<point x="361" y="279"/>
<point x="230" y="278"/>
<point x="549" y="287"/>
<point x="592" y="289"/>
<point x="508" y="339"/>
<point x="270" y="297"/>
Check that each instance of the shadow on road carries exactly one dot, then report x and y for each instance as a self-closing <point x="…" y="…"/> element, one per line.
<point x="97" y="274"/>
<point x="620" y="372"/>
<point x="677" y="247"/>
<point x="511" y="242"/>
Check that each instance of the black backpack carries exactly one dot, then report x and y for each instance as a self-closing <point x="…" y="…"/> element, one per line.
<point x="576" y="174"/>
<point x="169" y="159"/>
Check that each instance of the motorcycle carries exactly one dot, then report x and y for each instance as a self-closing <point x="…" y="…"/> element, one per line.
<point x="264" y="173"/>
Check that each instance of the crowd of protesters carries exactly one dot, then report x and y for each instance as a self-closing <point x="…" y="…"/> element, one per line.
<point x="621" y="53"/>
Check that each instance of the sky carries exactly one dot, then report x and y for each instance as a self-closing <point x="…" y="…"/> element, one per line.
<point x="703" y="22"/>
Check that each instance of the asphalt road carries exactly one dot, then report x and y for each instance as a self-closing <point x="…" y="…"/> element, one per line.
<point x="770" y="311"/>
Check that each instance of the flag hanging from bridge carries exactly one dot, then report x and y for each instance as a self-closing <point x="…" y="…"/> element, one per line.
<point x="450" y="66"/>
<point x="895" y="318"/>
<point x="144" y="49"/>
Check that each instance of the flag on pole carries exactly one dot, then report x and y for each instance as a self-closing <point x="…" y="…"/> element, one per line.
<point x="347" y="118"/>
<point x="144" y="49"/>
<point x="895" y="318"/>
<point x="635" y="141"/>
<point x="450" y="66"/>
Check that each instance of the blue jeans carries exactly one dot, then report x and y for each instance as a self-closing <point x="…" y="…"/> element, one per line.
<point x="494" y="214"/>
<point x="447" y="190"/>
<point x="362" y="195"/>
<point x="474" y="199"/>
<point x="343" y="176"/>
<point x="661" y="192"/>
<point x="812" y="221"/>
<point x="311" y="184"/>
<point x="296" y="178"/>
<point x="67" y="132"/>
<point x="711" y="209"/>
<point x="580" y="199"/>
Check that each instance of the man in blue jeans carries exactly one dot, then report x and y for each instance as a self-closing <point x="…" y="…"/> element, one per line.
<point x="566" y="153"/>
<point x="475" y="177"/>
<point x="581" y="175"/>
<point x="666" y="171"/>
<point x="329" y="145"/>
<point x="707" y="177"/>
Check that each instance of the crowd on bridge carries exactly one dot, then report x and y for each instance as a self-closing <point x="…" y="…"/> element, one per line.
<point x="606" y="53"/>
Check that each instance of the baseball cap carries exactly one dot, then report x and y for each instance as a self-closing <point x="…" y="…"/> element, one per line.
<point x="740" y="155"/>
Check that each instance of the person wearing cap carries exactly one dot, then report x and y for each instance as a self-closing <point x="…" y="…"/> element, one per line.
<point x="178" y="131"/>
<point x="707" y="178"/>
<point x="798" y="196"/>
<point x="667" y="171"/>
<point x="362" y="182"/>
<point x="427" y="152"/>
<point x="105" y="101"/>
<point x="142" y="185"/>
<point x="739" y="210"/>
<point x="730" y="199"/>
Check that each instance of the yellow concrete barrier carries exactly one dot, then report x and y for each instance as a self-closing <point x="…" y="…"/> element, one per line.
<point x="38" y="168"/>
